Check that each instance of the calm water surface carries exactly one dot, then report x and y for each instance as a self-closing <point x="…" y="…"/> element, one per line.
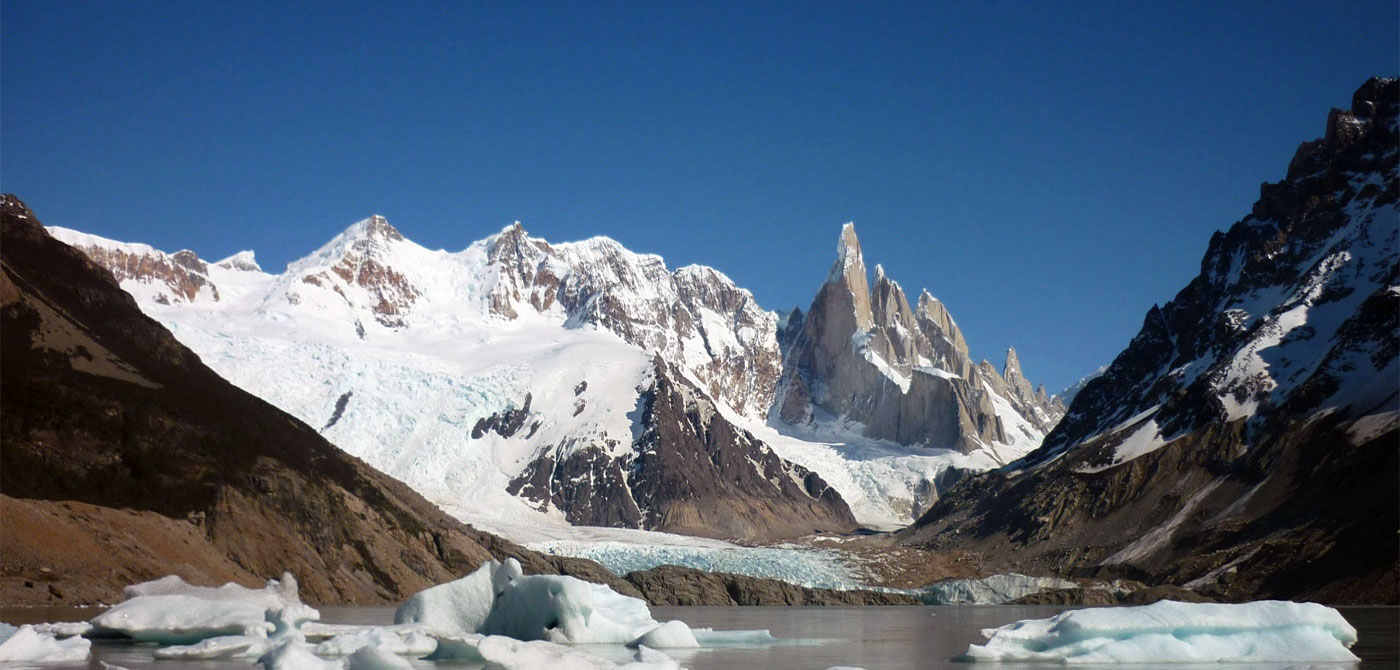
<point x="812" y="638"/>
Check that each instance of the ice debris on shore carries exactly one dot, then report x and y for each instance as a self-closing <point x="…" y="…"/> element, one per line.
<point x="26" y="644"/>
<point x="1175" y="632"/>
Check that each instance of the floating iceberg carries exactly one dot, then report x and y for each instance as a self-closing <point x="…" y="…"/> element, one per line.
<point x="280" y="626"/>
<point x="669" y="635"/>
<point x="457" y="606"/>
<point x="391" y="640"/>
<point x="456" y="647"/>
<point x="27" y="644"/>
<point x="64" y="628"/>
<point x="504" y="653"/>
<point x="373" y="658"/>
<point x="1174" y="632"/>
<point x="169" y="611"/>
<point x="294" y="655"/>
<point x="498" y="599"/>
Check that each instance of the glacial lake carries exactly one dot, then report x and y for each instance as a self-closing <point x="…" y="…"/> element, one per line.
<point x="811" y="638"/>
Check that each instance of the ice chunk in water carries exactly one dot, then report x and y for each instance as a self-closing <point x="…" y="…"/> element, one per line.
<point x="26" y="644"/>
<point x="169" y="611"/>
<point x="1175" y="632"/>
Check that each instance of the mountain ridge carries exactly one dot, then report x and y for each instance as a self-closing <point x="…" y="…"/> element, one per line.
<point x="1243" y="443"/>
<point x="516" y="317"/>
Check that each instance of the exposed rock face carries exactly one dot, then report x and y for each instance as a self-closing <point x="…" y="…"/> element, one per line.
<point x="694" y="316"/>
<point x="1243" y="444"/>
<point x="177" y="277"/>
<point x="861" y="353"/>
<point x="125" y="458"/>
<point x="243" y="261"/>
<point x="676" y="585"/>
<point x="689" y="471"/>
<point x="357" y="265"/>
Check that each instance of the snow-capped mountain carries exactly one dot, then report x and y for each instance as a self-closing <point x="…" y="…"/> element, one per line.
<point x="126" y="458"/>
<point x="519" y="377"/>
<point x="1066" y="397"/>
<point x="1245" y="440"/>
<point x="864" y="356"/>
<point x="513" y="377"/>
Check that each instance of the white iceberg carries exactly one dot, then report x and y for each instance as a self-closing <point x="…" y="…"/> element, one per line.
<point x="505" y="653"/>
<point x="169" y="611"/>
<point x="669" y="635"/>
<point x="455" y="647"/>
<point x="223" y="646"/>
<point x="286" y="647"/>
<point x="279" y="626"/>
<point x="651" y="659"/>
<point x="373" y="658"/>
<point x="391" y="640"/>
<point x="1174" y="632"/>
<point x="64" y="628"/>
<point x="498" y="599"/>
<point x="457" y="606"/>
<point x="27" y="644"/>
<point x="296" y="655"/>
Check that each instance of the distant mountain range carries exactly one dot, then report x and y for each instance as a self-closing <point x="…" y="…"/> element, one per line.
<point x="1244" y="444"/>
<point x="594" y="385"/>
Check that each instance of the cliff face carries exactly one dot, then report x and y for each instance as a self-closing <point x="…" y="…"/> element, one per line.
<point x="126" y="459"/>
<point x="687" y="471"/>
<point x="862" y="354"/>
<point x="1243" y="443"/>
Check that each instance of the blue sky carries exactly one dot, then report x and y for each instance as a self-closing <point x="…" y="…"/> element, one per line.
<point x="1049" y="170"/>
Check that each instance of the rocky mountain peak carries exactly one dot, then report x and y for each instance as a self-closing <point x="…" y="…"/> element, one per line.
<point x="378" y="226"/>
<point x="863" y="355"/>
<point x="180" y="277"/>
<point x="365" y="267"/>
<point x="938" y="324"/>
<point x="243" y="261"/>
<point x="849" y="271"/>
<point x="1011" y="368"/>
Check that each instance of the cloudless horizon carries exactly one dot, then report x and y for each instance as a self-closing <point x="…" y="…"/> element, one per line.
<point x="1048" y="171"/>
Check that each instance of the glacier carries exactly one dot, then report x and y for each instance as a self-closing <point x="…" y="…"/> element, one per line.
<point x="993" y="590"/>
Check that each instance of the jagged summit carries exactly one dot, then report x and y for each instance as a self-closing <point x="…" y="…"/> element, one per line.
<point x="376" y="226"/>
<point x="243" y="261"/>
<point x="862" y="354"/>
